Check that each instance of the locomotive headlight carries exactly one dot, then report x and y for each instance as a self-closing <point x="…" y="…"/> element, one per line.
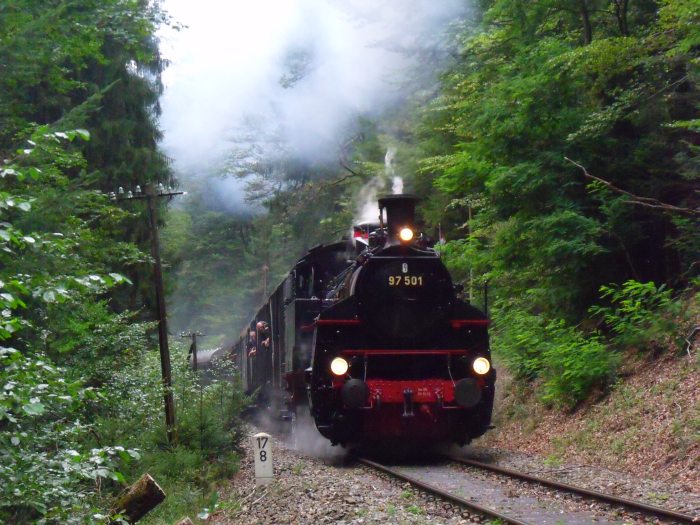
<point x="481" y="365"/>
<point x="406" y="234"/>
<point x="339" y="366"/>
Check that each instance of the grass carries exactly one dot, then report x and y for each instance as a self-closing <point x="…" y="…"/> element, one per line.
<point x="189" y="498"/>
<point x="667" y="389"/>
<point x="625" y="397"/>
<point x="553" y="461"/>
<point x="230" y="506"/>
<point x="658" y="498"/>
<point x="560" y="444"/>
<point x="584" y="439"/>
<point x="618" y="446"/>
<point x="188" y="481"/>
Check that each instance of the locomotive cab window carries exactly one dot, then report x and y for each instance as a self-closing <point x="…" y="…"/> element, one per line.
<point x="305" y="281"/>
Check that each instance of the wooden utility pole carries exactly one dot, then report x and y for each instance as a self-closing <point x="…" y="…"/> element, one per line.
<point x="193" y="348"/>
<point x="151" y="195"/>
<point x="162" y="316"/>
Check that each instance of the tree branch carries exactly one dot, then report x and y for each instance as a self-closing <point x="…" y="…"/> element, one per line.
<point x="636" y="199"/>
<point x="347" y="168"/>
<point x="343" y="160"/>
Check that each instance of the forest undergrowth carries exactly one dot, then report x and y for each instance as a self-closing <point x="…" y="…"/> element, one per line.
<point x="646" y="423"/>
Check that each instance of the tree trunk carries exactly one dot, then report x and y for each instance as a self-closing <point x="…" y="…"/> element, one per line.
<point x="136" y="501"/>
<point x="621" y="8"/>
<point x="586" y="19"/>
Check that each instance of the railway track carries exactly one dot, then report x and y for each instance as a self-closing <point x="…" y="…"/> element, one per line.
<point x="437" y="491"/>
<point x="480" y="497"/>
<point x="630" y="504"/>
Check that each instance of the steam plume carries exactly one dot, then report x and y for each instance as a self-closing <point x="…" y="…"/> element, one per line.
<point x="303" y="70"/>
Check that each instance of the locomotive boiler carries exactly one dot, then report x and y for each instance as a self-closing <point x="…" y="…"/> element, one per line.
<point x="371" y="336"/>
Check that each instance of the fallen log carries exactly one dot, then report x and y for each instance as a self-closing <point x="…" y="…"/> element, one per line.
<point x="137" y="500"/>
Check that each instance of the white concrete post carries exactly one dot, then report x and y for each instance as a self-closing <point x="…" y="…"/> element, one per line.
<point x="262" y="450"/>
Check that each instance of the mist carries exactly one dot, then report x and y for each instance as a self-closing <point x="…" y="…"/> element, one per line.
<point x="252" y="80"/>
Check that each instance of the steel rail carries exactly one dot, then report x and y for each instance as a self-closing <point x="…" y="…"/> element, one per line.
<point x="607" y="498"/>
<point x="441" y="493"/>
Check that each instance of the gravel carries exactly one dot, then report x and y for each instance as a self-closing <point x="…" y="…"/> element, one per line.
<point x="650" y="491"/>
<point x="316" y="483"/>
<point x="327" y="489"/>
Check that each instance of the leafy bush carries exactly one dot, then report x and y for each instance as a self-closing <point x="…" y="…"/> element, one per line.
<point x="65" y="421"/>
<point x="574" y="364"/>
<point x="51" y="472"/>
<point x="207" y="429"/>
<point x="48" y="472"/>
<point x="568" y="363"/>
<point x="640" y="314"/>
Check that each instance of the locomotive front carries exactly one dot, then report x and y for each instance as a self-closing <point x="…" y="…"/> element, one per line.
<point x="398" y="356"/>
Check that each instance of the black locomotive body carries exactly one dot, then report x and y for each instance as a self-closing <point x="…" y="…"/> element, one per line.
<point x="372" y="336"/>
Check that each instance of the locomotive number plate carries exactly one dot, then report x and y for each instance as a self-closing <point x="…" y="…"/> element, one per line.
<point x="405" y="280"/>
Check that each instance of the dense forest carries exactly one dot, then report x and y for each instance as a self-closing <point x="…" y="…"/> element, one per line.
<point x="558" y="153"/>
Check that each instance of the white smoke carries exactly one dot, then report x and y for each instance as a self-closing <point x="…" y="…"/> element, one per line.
<point x="306" y="439"/>
<point x="390" y="171"/>
<point x="303" y="70"/>
<point x="367" y="209"/>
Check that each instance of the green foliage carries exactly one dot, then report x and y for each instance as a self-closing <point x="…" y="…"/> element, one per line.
<point x="78" y="107"/>
<point x="92" y="67"/>
<point x="67" y="255"/>
<point x="207" y="249"/>
<point x="567" y="363"/>
<point x="575" y="364"/>
<point x="639" y="314"/>
<point x="528" y="91"/>
<point x="52" y="285"/>
<point x="208" y="428"/>
<point x="45" y="470"/>
<point x="49" y="471"/>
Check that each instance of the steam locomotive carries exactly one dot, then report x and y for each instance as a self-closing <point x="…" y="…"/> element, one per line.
<point x="370" y="335"/>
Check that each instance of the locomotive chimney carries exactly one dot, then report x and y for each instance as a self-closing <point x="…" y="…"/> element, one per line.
<point x="400" y="217"/>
